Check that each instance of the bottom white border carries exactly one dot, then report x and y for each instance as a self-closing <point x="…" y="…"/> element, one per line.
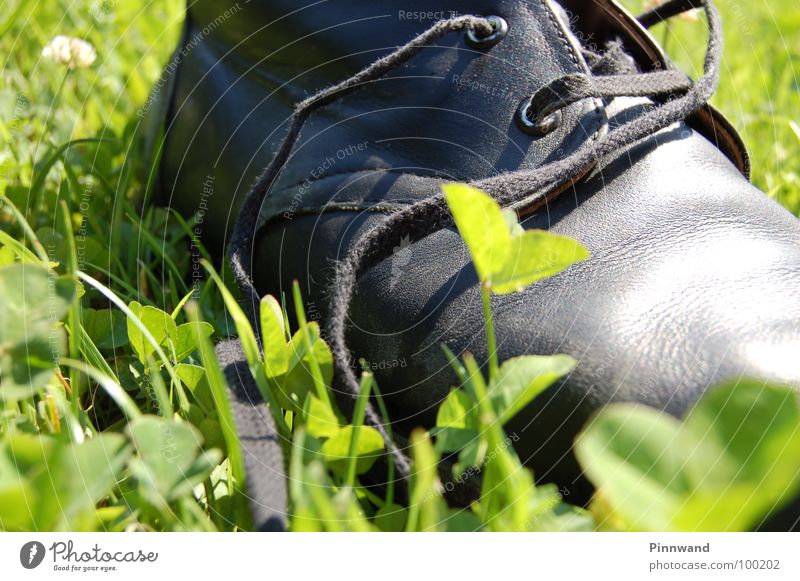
<point x="416" y="557"/>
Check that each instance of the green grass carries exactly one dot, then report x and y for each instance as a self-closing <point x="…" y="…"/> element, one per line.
<point x="112" y="404"/>
<point x="760" y="86"/>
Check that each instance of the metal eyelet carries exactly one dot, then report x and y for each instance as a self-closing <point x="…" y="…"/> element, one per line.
<point x="534" y="125"/>
<point x="500" y="27"/>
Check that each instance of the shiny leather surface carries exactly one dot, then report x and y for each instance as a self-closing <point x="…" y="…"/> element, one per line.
<point x="695" y="283"/>
<point x="694" y="274"/>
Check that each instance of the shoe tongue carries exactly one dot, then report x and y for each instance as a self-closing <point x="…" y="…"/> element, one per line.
<point x="612" y="58"/>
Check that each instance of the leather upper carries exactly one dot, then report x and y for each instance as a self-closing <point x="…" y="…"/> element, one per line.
<point x="430" y="118"/>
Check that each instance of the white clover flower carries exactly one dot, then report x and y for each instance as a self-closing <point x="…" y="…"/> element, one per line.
<point x="73" y="52"/>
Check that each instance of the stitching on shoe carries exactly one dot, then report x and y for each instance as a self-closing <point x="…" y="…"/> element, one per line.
<point x="383" y="206"/>
<point x="560" y="32"/>
<point x="340" y="173"/>
<point x="378" y="208"/>
<point x="601" y="120"/>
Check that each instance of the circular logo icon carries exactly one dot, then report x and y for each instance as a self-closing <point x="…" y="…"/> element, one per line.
<point x="31" y="554"/>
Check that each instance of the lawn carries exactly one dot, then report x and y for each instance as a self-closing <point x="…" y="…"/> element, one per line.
<point x="106" y="357"/>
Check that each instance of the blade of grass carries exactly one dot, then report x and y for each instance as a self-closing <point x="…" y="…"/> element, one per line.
<point x="20" y="250"/>
<point x="457" y="366"/>
<point x="320" y="493"/>
<point x="425" y="499"/>
<point x="45" y="166"/>
<point x="109" y="294"/>
<point x="73" y="423"/>
<point x="191" y="235"/>
<point x="491" y="339"/>
<point x="358" y="420"/>
<point x="795" y="128"/>
<point x="74" y="319"/>
<point x="296" y="492"/>
<point x="133" y="293"/>
<point x="26" y="228"/>
<point x="316" y="372"/>
<point x="251" y="351"/>
<point x="390" y="472"/>
<point x="285" y="311"/>
<point x="93" y="356"/>
<point x="111" y="387"/>
<point x="163" y="399"/>
<point x="15" y="15"/>
<point x="177" y="310"/>
<point x="507" y="486"/>
<point x="158" y="248"/>
<point x="219" y="391"/>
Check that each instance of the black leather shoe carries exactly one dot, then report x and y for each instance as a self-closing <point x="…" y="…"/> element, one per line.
<point x="694" y="272"/>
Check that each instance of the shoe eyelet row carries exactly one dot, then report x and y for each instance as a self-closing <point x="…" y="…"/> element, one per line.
<point x="534" y="124"/>
<point x="531" y="124"/>
<point x="500" y="30"/>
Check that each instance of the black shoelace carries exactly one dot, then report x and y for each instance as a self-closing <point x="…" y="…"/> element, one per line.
<point x="674" y="95"/>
